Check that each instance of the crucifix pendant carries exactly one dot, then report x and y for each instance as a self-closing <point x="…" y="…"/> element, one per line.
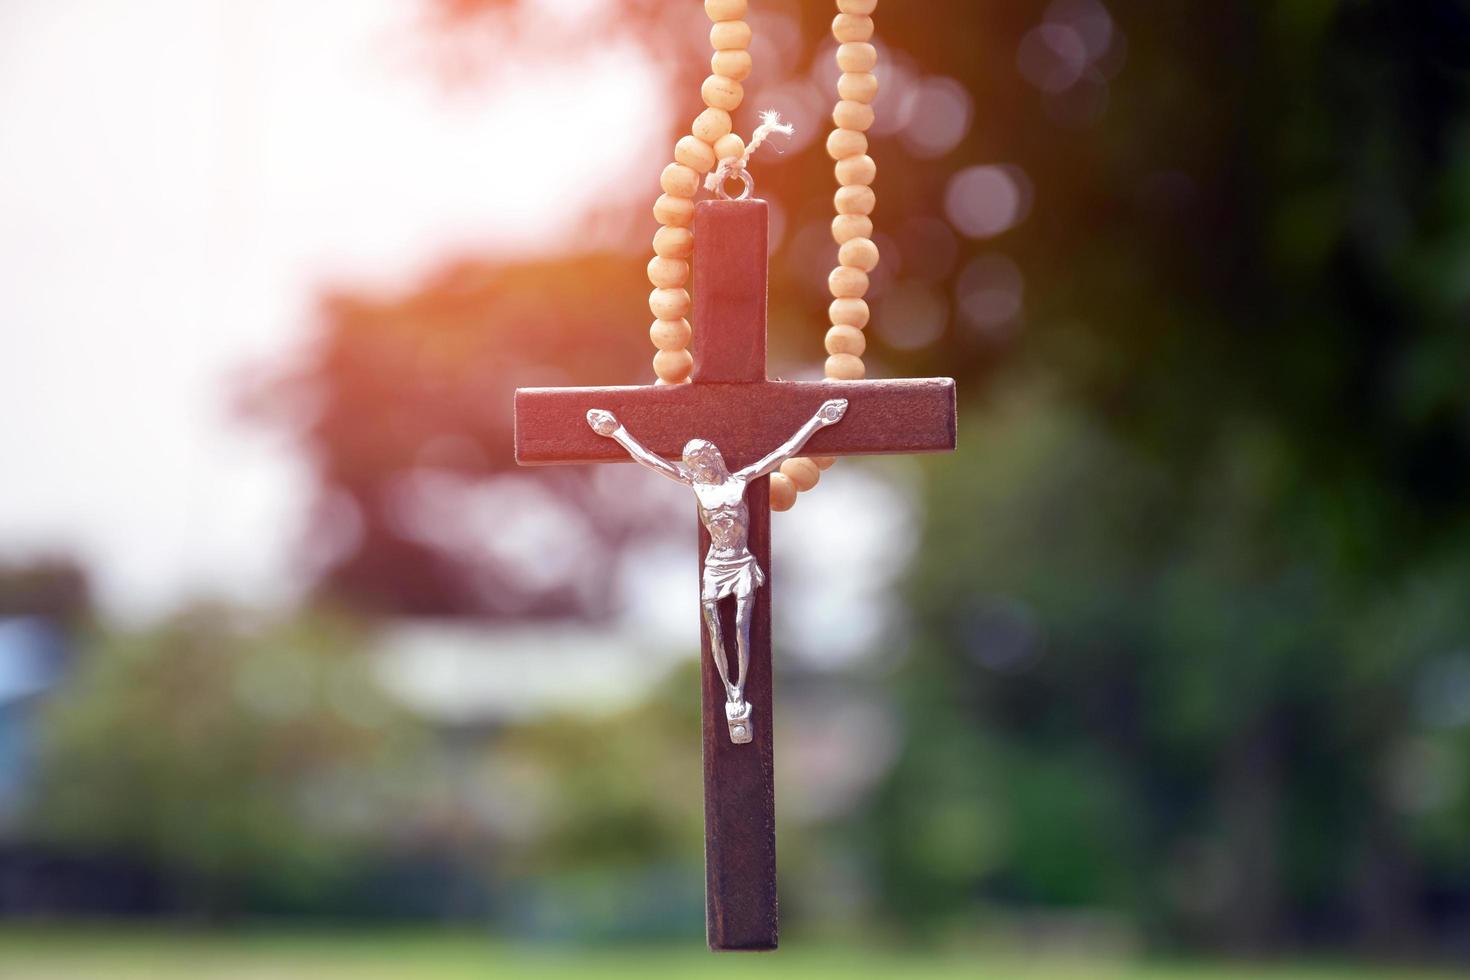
<point x="732" y="410"/>
<point x="729" y="570"/>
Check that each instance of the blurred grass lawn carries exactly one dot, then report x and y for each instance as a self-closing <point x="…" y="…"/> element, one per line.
<point x="54" y="954"/>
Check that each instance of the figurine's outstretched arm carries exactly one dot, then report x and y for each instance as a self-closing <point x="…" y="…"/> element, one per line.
<point x="830" y="413"/>
<point x="606" y="425"/>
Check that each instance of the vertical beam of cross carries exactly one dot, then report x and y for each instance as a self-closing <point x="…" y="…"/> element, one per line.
<point x="730" y="269"/>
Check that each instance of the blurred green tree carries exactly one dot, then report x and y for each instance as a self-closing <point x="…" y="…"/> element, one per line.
<point x="253" y="762"/>
<point x="1188" y="597"/>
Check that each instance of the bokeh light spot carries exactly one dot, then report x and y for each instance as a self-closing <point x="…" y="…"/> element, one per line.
<point x="985" y="201"/>
<point x="942" y="112"/>
<point x="912" y="315"/>
<point x="1089" y="21"/>
<point x="1003" y="634"/>
<point x="989" y="295"/>
<point x="1052" y="57"/>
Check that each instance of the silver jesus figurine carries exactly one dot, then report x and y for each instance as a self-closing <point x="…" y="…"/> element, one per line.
<point x="729" y="568"/>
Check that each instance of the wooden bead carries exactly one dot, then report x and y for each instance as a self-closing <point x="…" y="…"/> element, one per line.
<point x="710" y="125"/>
<point x="860" y="253"/>
<point x="730" y="35"/>
<point x="825" y="463"/>
<point x="673" y="366"/>
<point x="846" y="367"/>
<point x="852" y="27"/>
<point x="670" y="334"/>
<point x="676" y="211"/>
<point x="845" y="283"/>
<point x="679" y="180"/>
<point x="853" y="312"/>
<point x="864" y="7"/>
<point x="853" y="115"/>
<point x="695" y="154"/>
<point x="732" y="64"/>
<point x="672" y="242"/>
<point x="783" y="492"/>
<point x="860" y="86"/>
<point x="668" y="273"/>
<point x="853" y="200"/>
<point x="726" y="9"/>
<point x="843" y="339"/>
<point x="729" y="146"/>
<point x="844" y="143"/>
<point x="861" y="169"/>
<point x="725" y="93"/>
<point x="846" y="227"/>
<point x="802" y="472"/>
<point x="856" y="56"/>
<point x="669" y="304"/>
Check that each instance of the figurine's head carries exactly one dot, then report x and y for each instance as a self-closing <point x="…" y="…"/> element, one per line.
<point x="705" y="462"/>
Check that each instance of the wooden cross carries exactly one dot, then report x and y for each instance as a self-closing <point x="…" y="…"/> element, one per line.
<point x="732" y="404"/>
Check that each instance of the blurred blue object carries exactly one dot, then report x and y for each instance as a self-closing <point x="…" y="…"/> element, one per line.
<point x="32" y="658"/>
<point x="32" y="661"/>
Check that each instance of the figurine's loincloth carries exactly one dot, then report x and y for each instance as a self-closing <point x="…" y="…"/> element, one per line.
<point x="739" y="577"/>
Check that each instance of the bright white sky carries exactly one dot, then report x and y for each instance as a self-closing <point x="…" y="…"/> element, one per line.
<point x="178" y="178"/>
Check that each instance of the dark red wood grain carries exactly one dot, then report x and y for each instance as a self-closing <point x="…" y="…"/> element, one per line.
<point x="740" y="903"/>
<point x="733" y="405"/>
<point x="730" y="303"/>
<point x="742" y="419"/>
<point x="739" y="780"/>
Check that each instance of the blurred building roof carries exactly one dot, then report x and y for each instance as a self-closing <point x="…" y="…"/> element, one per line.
<point x="462" y="673"/>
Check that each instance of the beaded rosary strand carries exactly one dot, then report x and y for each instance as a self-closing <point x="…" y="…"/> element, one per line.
<point x="711" y="142"/>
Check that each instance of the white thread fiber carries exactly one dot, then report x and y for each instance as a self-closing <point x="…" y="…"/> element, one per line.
<point x="730" y="166"/>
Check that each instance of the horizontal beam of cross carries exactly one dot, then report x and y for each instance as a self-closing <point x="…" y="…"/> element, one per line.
<point x="745" y="420"/>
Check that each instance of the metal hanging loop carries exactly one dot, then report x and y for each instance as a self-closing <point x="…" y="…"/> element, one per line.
<point x="745" y="178"/>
